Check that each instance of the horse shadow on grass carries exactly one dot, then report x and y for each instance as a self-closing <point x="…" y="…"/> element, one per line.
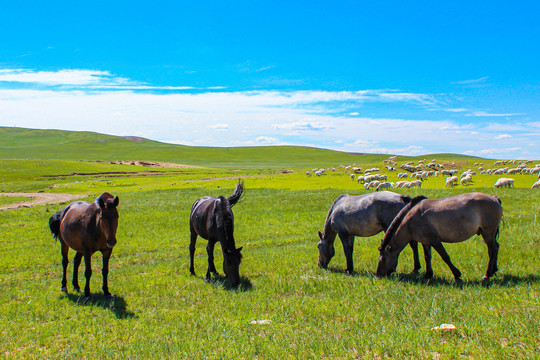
<point x="223" y="281"/>
<point x="115" y="304"/>
<point x="503" y="280"/>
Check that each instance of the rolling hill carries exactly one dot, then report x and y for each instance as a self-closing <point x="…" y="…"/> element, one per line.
<point x="21" y="143"/>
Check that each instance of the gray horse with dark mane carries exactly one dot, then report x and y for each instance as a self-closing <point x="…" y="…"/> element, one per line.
<point x="362" y="215"/>
<point x="434" y="221"/>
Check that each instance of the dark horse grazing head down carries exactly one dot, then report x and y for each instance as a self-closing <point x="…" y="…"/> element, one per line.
<point x="86" y="228"/>
<point x="212" y="219"/>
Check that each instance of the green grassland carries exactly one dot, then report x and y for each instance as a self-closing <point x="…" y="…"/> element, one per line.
<point x="160" y="311"/>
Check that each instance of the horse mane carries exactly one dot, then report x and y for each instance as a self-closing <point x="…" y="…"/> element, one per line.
<point x="223" y="213"/>
<point x="326" y="223"/>
<point x="390" y="232"/>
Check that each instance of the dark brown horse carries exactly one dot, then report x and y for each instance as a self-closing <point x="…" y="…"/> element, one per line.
<point x="434" y="221"/>
<point x="86" y="228"/>
<point x="212" y="219"/>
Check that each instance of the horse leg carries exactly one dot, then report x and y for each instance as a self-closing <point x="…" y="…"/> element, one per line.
<point x="427" y="258"/>
<point x="210" y="252"/>
<point x="348" y="245"/>
<point x="192" y="251"/>
<point x="105" y="271"/>
<point x="438" y="246"/>
<point x="76" y="263"/>
<point x="87" y="272"/>
<point x="64" y="249"/>
<point x="493" y="251"/>
<point x="414" y="246"/>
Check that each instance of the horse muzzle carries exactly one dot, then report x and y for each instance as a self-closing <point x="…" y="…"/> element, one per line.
<point x="110" y="243"/>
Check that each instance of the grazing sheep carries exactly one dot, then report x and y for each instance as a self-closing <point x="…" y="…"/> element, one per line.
<point x="504" y="182"/>
<point x="352" y="177"/>
<point x="360" y="178"/>
<point x="466" y="180"/>
<point x="451" y="181"/>
<point x="401" y="184"/>
<point x="416" y="183"/>
<point x="308" y="173"/>
<point x="536" y="185"/>
<point x="385" y="185"/>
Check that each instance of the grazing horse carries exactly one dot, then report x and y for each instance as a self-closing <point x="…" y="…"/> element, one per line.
<point x="363" y="215"/>
<point x="86" y="228"/>
<point x="212" y="219"/>
<point x="434" y="221"/>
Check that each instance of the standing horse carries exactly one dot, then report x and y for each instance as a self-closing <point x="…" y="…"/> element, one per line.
<point x="86" y="228"/>
<point x="212" y="219"/>
<point x="434" y="221"/>
<point x="363" y="215"/>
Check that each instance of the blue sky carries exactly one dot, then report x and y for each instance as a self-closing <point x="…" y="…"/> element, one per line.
<point x="380" y="76"/>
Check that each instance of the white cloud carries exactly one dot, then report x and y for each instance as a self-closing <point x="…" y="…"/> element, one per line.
<point x="61" y="77"/>
<point x="219" y="127"/>
<point x="101" y="102"/>
<point x="303" y="126"/>
<point x="268" y="140"/>
<point x="473" y="81"/>
<point x="481" y="113"/>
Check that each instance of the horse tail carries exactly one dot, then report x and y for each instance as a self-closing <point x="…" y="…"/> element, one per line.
<point x="238" y="191"/>
<point x="54" y="224"/>
<point x="390" y="232"/>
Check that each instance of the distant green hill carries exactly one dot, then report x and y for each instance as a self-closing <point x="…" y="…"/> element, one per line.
<point x="20" y="143"/>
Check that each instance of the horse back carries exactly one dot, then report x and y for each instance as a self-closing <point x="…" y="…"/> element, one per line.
<point x="455" y="218"/>
<point x="364" y="215"/>
<point x="201" y="220"/>
<point x="78" y="223"/>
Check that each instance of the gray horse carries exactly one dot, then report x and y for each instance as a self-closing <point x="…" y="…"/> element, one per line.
<point x="363" y="215"/>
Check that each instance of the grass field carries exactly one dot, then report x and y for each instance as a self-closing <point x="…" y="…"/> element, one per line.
<point x="160" y="311"/>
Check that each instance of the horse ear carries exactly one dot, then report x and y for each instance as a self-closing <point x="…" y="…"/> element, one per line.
<point x="239" y="249"/>
<point x="116" y="201"/>
<point x="101" y="202"/>
<point x="320" y="235"/>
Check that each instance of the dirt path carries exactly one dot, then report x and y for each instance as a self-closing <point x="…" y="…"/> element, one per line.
<point x="38" y="199"/>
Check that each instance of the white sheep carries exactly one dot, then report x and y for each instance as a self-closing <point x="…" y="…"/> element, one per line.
<point x="451" y="181"/>
<point x="504" y="182"/>
<point x="385" y="185"/>
<point x="416" y="183"/>
<point x="536" y="185"/>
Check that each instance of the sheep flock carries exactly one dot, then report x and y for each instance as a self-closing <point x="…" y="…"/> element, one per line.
<point x="414" y="174"/>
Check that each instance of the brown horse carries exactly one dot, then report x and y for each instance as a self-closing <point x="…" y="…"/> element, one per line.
<point x="86" y="228"/>
<point x="434" y="221"/>
<point x="212" y="219"/>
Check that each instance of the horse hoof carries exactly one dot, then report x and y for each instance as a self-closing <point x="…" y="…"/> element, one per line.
<point x="64" y="290"/>
<point x="77" y="289"/>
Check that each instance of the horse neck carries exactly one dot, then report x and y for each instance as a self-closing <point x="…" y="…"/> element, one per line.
<point x="329" y="234"/>
<point x="400" y="240"/>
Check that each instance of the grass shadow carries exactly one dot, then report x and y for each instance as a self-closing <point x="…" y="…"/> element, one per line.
<point x="116" y="304"/>
<point x="506" y="280"/>
<point x="223" y="281"/>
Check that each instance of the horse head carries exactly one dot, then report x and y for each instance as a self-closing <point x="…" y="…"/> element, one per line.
<point x="326" y="251"/>
<point x="388" y="261"/>
<point x="108" y="217"/>
<point x="231" y="265"/>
